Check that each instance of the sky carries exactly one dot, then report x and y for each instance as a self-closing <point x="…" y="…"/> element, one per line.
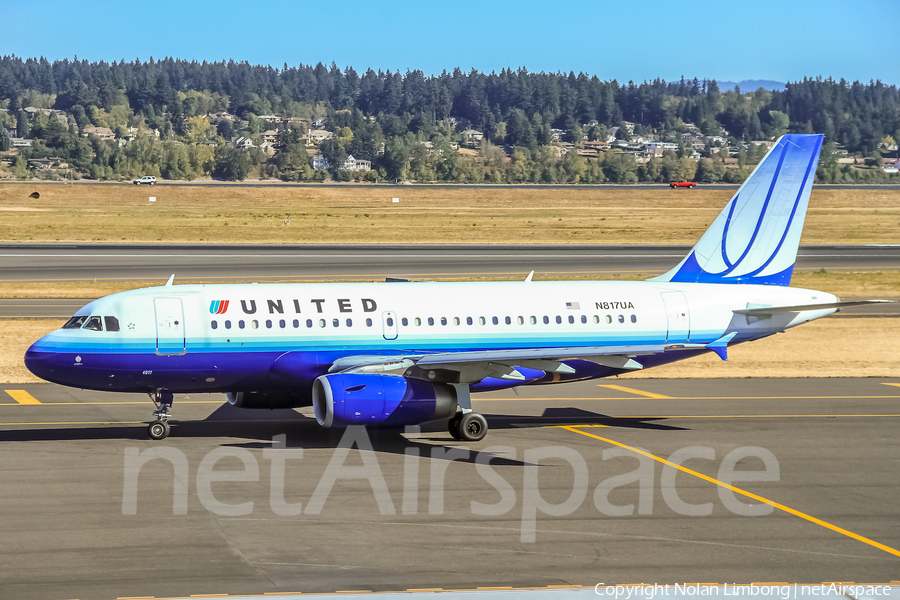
<point x="729" y="40"/>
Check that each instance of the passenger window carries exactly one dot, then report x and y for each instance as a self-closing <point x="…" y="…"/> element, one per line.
<point x="75" y="322"/>
<point x="558" y="319"/>
<point x="94" y="324"/>
<point x="404" y="321"/>
<point x="112" y="323"/>
<point x="469" y="320"/>
<point x="368" y="322"/>
<point x="495" y="321"/>
<point x="533" y="320"/>
<point x="321" y="322"/>
<point x="608" y="319"/>
<point x="227" y="324"/>
<point x="571" y="319"/>
<point x="596" y="319"/>
<point x="444" y="321"/>
<point x="337" y="322"/>
<point x="621" y="318"/>
<point x="241" y="324"/>
<point x="296" y="324"/>
<point x="417" y="321"/>
<point x="520" y="320"/>
<point x="508" y="321"/>
<point x="456" y="320"/>
<point x="481" y="321"/>
<point x="214" y="325"/>
<point x="282" y="323"/>
<point x="254" y="324"/>
<point x="390" y="321"/>
<point x="431" y="320"/>
<point x="350" y="322"/>
<point x="268" y="324"/>
<point x="584" y="318"/>
<point x="634" y="318"/>
<point x="309" y="322"/>
<point x="546" y="320"/>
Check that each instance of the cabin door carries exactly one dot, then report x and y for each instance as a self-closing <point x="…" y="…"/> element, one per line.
<point x="169" y="325"/>
<point x="679" y="317"/>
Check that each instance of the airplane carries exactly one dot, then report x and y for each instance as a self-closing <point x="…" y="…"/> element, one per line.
<point x="392" y="354"/>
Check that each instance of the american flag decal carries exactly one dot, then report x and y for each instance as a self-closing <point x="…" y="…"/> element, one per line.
<point x="573" y="305"/>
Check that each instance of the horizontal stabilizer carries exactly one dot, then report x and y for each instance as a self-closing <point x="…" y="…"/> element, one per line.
<point x="774" y="310"/>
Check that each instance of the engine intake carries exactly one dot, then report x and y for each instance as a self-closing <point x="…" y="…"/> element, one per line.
<point x="364" y="399"/>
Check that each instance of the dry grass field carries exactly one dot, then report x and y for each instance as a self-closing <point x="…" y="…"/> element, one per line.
<point x="358" y="214"/>
<point x="797" y="353"/>
<point x="230" y="214"/>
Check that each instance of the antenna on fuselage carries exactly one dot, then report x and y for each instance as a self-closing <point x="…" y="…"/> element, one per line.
<point x="171" y="279"/>
<point x="528" y="279"/>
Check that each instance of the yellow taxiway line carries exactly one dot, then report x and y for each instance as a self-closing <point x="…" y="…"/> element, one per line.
<point x="736" y="490"/>
<point x="621" y="388"/>
<point x="22" y="397"/>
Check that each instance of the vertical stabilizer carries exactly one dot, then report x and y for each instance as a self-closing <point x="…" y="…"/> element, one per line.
<point x="755" y="237"/>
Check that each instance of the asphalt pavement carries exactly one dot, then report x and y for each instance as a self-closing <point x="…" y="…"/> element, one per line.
<point x="568" y="488"/>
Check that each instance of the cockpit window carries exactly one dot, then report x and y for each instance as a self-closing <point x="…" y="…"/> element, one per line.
<point x="112" y="323"/>
<point x="75" y="322"/>
<point x="93" y="323"/>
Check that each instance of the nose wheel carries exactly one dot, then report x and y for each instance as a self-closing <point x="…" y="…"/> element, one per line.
<point x="160" y="429"/>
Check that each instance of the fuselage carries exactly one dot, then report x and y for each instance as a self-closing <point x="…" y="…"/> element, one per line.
<point x="280" y="337"/>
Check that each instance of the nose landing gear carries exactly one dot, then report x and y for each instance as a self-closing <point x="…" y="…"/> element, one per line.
<point x="159" y="429"/>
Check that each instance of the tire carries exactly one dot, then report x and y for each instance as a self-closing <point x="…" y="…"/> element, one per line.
<point x="453" y="427"/>
<point x="158" y="430"/>
<point x="473" y="427"/>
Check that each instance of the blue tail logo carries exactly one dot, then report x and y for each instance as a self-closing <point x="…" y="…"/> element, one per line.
<point x="755" y="237"/>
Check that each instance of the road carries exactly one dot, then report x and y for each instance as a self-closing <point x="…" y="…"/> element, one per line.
<point x="74" y="527"/>
<point x="24" y="264"/>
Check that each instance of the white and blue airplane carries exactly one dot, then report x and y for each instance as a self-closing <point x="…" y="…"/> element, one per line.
<point x="395" y="354"/>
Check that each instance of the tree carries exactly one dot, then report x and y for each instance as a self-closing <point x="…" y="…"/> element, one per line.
<point x="780" y="123"/>
<point x="231" y="164"/>
<point x="198" y="129"/>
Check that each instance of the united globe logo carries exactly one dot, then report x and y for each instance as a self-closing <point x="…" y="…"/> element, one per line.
<point x="218" y="307"/>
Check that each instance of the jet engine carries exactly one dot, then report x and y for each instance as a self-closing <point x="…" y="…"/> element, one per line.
<point x="365" y="399"/>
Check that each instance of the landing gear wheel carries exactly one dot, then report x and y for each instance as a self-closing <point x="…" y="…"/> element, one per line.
<point x="158" y="430"/>
<point x="473" y="427"/>
<point x="453" y="427"/>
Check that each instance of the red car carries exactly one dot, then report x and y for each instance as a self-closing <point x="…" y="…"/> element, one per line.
<point x="682" y="183"/>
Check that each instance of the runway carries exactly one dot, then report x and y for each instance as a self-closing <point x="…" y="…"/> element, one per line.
<point x="450" y="515"/>
<point x="25" y="264"/>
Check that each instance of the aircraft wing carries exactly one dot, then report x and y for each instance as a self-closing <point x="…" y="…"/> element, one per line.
<point x="473" y="366"/>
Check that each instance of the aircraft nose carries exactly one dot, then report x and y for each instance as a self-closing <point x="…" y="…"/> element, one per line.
<point x="39" y="358"/>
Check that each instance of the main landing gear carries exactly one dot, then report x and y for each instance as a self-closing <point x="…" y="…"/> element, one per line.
<point x="159" y="429"/>
<point x="466" y="425"/>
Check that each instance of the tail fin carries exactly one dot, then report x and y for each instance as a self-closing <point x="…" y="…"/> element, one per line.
<point x="755" y="237"/>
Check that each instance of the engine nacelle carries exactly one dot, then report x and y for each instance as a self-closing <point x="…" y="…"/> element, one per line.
<point x="364" y="399"/>
<point x="269" y="400"/>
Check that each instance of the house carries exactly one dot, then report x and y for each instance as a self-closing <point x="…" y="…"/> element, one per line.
<point x="243" y="143"/>
<point x="557" y="135"/>
<point x="210" y="143"/>
<point x="352" y="164"/>
<point x="103" y="133"/>
<point x="316" y="136"/>
<point x="590" y="153"/>
<point x="20" y="142"/>
<point x="472" y="136"/>
<point x="268" y="148"/>
<point x="270" y="135"/>
<point x="40" y="163"/>
<point x="893" y="169"/>
<point x="320" y="162"/>
<point x="318" y="123"/>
